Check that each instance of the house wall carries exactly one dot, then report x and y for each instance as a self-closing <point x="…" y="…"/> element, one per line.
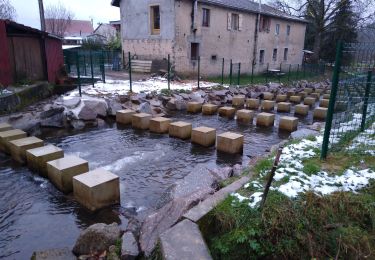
<point x="5" y="67"/>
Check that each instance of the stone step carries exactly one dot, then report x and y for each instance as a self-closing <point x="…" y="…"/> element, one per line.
<point x="204" y="136"/>
<point x="124" y="116"/>
<point x="160" y="125"/>
<point x="37" y="158"/>
<point x="5" y="127"/>
<point x="209" y="109"/>
<point x="227" y="112"/>
<point x="230" y="143"/>
<point x="238" y="101"/>
<point x="245" y="116"/>
<point x="180" y="130"/>
<point x="288" y="123"/>
<point x="265" y="119"/>
<point x="18" y="147"/>
<point x="7" y="136"/>
<point x="141" y="121"/>
<point x="194" y="107"/>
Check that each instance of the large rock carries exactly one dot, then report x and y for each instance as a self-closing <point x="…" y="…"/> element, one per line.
<point x="71" y="102"/>
<point x="113" y="107"/>
<point x="53" y="117"/>
<point x="180" y="105"/>
<point x="129" y="247"/>
<point x="196" y="97"/>
<point x="222" y="173"/>
<point x="171" y="104"/>
<point x="145" y="107"/>
<point x="93" y="108"/>
<point x="303" y="133"/>
<point x="96" y="239"/>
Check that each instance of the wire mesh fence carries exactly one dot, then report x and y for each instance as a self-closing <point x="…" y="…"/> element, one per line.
<point x="350" y="123"/>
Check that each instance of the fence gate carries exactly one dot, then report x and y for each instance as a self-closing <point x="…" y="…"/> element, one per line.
<point x="351" y="111"/>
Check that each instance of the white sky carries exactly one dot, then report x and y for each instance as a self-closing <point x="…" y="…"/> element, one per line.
<point x="99" y="10"/>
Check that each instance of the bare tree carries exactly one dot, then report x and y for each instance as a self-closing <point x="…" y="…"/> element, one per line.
<point x="7" y="11"/>
<point x="58" y="19"/>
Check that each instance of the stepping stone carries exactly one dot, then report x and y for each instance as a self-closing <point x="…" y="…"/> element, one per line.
<point x="180" y="130"/>
<point x="288" y="123"/>
<point x="37" y="158"/>
<point x="228" y="112"/>
<point x="326" y="96"/>
<point x="301" y="109"/>
<point x="268" y="95"/>
<point x="295" y="99"/>
<point x="124" y="116"/>
<point x="141" y="121"/>
<point x="290" y="93"/>
<point x="309" y="90"/>
<point x="309" y="101"/>
<point x="10" y="135"/>
<point x="230" y="143"/>
<point x="160" y="125"/>
<point x="252" y="103"/>
<point x="319" y="90"/>
<point x="315" y="95"/>
<point x="5" y="127"/>
<point x="265" y="119"/>
<point x="209" y="109"/>
<point x="204" y="136"/>
<point x="238" y="101"/>
<point x="320" y="113"/>
<point x="302" y="94"/>
<point x="97" y="189"/>
<point x="328" y="92"/>
<point x="281" y="98"/>
<point x="194" y="107"/>
<point x="245" y="116"/>
<point x="324" y="103"/>
<point x="62" y="171"/>
<point x="268" y="105"/>
<point x="18" y="147"/>
<point x="283" y="107"/>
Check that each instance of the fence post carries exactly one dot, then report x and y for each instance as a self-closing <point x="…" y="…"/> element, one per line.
<point x="199" y="70"/>
<point x="130" y="72"/>
<point x="252" y="73"/>
<point x="222" y="72"/>
<point x="297" y="72"/>
<point x="239" y="74"/>
<point x="230" y="73"/>
<point x="280" y="73"/>
<point x="268" y="65"/>
<point x="92" y="69"/>
<point x="290" y="66"/>
<point x="304" y="70"/>
<point x="78" y="74"/>
<point x="332" y="100"/>
<point x="102" y="66"/>
<point x="365" y="103"/>
<point x="169" y="71"/>
<point x="84" y="63"/>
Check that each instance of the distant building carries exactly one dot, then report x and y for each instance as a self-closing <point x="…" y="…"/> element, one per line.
<point x="116" y="25"/>
<point x="104" y="33"/>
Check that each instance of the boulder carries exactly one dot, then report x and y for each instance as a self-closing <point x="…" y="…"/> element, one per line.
<point x="113" y="107"/>
<point x="171" y="104"/>
<point x="155" y="103"/>
<point x="222" y="173"/>
<point x="303" y="133"/>
<point x="53" y="117"/>
<point x="237" y="170"/>
<point x="92" y="108"/>
<point x="145" y="107"/>
<point x="71" y="102"/>
<point x="129" y="247"/>
<point x="196" y="97"/>
<point x="221" y="93"/>
<point x="181" y="105"/>
<point x="96" y="238"/>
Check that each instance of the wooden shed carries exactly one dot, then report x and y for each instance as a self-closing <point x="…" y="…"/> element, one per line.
<point x="28" y="54"/>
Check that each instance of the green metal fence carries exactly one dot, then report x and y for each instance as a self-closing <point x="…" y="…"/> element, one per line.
<point x="351" y="113"/>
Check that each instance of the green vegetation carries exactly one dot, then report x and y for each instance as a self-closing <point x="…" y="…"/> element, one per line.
<point x="169" y="92"/>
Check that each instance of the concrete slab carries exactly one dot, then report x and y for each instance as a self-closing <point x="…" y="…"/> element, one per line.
<point x="281" y="98"/>
<point x="324" y="103"/>
<point x="37" y="158"/>
<point x="10" y="135"/>
<point x="141" y="121"/>
<point x="209" y="109"/>
<point x="97" y="189"/>
<point x="309" y="90"/>
<point x="228" y="112"/>
<point x="265" y="119"/>
<point x="245" y="116"/>
<point x="288" y="123"/>
<point x="326" y="96"/>
<point x="160" y="125"/>
<point x="124" y="116"/>
<point x="310" y="101"/>
<point x="230" y="143"/>
<point x="204" y="136"/>
<point x="194" y="107"/>
<point x="180" y="130"/>
<point x="301" y="109"/>
<point x="320" y="113"/>
<point x="319" y="90"/>
<point x="18" y="147"/>
<point x="238" y="101"/>
<point x="284" y="107"/>
<point x="5" y="127"/>
<point x="295" y="99"/>
<point x="302" y="94"/>
<point x="268" y="105"/>
<point x="252" y="103"/>
<point x="268" y="96"/>
<point x="315" y="95"/>
<point x="62" y="171"/>
<point x="290" y="93"/>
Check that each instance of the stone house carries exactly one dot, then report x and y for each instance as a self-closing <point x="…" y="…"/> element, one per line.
<point x="243" y="31"/>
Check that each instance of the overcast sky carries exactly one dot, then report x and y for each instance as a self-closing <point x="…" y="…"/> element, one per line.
<point x="99" y="10"/>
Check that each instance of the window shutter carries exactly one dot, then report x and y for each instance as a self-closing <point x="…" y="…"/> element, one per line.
<point x="229" y="21"/>
<point x="240" y="22"/>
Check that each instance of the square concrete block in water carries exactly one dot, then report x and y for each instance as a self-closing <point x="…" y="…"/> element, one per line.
<point x="37" y="158"/>
<point x="290" y="93"/>
<point x="320" y="113"/>
<point x="204" y="136"/>
<point x="295" y="99"/>
<point x="180" y="130"/>
<point x="18" y="147"/>
<point x="194" y="107"/>
<point x="281" y="98"/>
<point x="288" y="123"/>
<point x="283" y="107"/>
<point x="265" y="119"/>
<point x="97" y="189"/>
<point x="5" y="127"/>
<point x="326" y="96"/>
<point x="209" y="109"/>
<point x="62" y="171"/>
<point x="230" y="143"/>
<point x="7" y="136"/>
<point x="141" y="121"/>
<point x="252" y="103"/>
<point x="324" y="103"/>
<point x="319" y="90"/>
<point x="238" y="101"/>
<point x="315" y="95"/>
<point x="268" y="96"/>
<point x="124" y="116"/>
<point x="301" y="109"/>
<point x="268" y="105"/>
<point x="309" y="101"/>
<point x="228" y="112"/>
<point x="160" y="125"/>
<point x="309" y="90"/>
<point x="245" y="116"/>
<point x="302" y="94"/>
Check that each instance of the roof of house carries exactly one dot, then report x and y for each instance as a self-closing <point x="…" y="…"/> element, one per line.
<point x="13" y="27"/>
<point x="77" y="27"/>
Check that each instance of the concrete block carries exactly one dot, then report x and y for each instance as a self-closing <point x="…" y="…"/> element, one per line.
<point x="245" y="116"/>
<point x="309" y="101"/>
<point x="288" y="123"/>
<point x="160" y="125"/>
<point x="124" y="116"/>
<point x="209" y="109"/>
<point x="180" y="130"/>
<point x="283" y="107"/>
<point x="320" y="112"/>
<point x="238" y="101"/>
<point x="281" y="98"/>
<point x="268" y="96"/>
<point x="319" y="90"/>
<point x="228" y="112"/>
<point x="204" y="136"/>
<point x="62" y="171"/>
<point x="37" y="158"/>
<point x="97" y="189"/>
<point x="252" y="103"/>
<point x="194" y="107"/>
<point x="5" y="127"/>
<point x="141" y="121"/>
<point x="309" y="90"/>
<point x="290" y="93"/>
<point x="315" y="95"/>
<point x="301" y="109"/>
<point x="265" y="119"/>
<point x="302" y="94"/>
<point x="18" y="147"/>
<point x="230" y="143"/>
<point x="324" y="103"/>
<point x="268" y="105"/>
<point x="326" y="96"/>
<point x="295" y="99"/>
<point x="7" y="136"/>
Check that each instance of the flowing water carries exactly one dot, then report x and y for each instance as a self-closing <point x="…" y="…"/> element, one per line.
<point x="34" y="215"/>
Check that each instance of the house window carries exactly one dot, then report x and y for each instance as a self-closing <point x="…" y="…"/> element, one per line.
<point x="261" y="56"/>
<point x="286" y="54"/>
<point x="274" y="55"/>
<point x="235" y="22"/>
<point x="194" y="51"/>
<point x="206" y="17"/>
<point x="155" y="19"/>
<point x="264" y="24"/>
<point x="288" y="30"/>
<point x="277" y="29"/>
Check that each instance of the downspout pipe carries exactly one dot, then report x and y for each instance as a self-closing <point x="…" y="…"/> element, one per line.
<point x="256" y="34"/>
